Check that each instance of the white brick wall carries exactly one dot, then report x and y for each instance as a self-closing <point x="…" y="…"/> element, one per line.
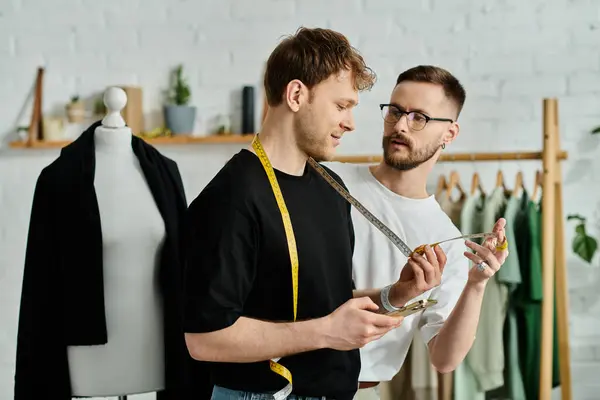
<point x="508" y="53"/>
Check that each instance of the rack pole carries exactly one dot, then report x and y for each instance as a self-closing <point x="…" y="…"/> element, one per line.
<point x="548" y="241"/>
<point x="459" y="157"/>
<point x="561" y="286"/>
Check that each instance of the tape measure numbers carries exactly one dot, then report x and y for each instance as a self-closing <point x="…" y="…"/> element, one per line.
<point x="291" y="241"/>
<point x="367" y="214"/>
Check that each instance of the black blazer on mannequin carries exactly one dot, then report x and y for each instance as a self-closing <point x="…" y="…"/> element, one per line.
<point x="62" y="300"/>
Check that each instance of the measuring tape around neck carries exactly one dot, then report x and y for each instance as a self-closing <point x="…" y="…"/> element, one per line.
<point x="291" y="241"/>
<point x="399" y="243"/>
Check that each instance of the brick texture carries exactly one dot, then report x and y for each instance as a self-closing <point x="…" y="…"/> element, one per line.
<point x="509" y="53"/>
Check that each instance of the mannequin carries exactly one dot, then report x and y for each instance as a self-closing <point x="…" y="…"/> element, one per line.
<point x="100" y="311"/>
<point x="132" y="234"/>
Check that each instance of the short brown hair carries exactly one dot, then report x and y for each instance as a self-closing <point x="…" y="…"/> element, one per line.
<point x="438" y="76"/>
<point x="312" y="55"/>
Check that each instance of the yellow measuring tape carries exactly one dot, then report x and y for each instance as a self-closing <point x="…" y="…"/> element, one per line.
<point x="291" y="241"/>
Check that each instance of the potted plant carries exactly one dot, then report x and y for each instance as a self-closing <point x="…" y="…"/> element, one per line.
<point x="75" y="110"/>
<point x="179" y="115"/>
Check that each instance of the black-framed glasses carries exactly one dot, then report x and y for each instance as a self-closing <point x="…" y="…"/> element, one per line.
<point x="415" y="119"/>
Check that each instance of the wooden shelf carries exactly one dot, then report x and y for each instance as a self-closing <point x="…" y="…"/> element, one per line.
<point x="164" y="140"/>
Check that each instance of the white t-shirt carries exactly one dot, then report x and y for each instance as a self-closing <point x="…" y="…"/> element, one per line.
<point x="377" y="263"/>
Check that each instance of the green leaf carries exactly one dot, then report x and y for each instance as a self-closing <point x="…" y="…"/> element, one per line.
<point x="576" y="217"/>
<point x="584" y="246"/>
<point x="596" y="130"/>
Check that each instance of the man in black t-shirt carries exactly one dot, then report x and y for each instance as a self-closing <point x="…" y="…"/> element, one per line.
<point x="239" y="311"/>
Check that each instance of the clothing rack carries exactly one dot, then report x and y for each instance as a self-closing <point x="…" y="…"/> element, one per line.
<point x="553" y="246"/>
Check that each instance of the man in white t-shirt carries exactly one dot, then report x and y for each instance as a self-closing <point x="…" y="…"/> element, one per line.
<point x="419" y="122"/>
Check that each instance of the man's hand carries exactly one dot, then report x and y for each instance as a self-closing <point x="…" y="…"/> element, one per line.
<point x="487" y="259"/>
<point x="420" y="274"/>
<point x="354" y="324"/>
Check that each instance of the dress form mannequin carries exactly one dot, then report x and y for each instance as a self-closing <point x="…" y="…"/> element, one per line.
<point x="133" y="231"/>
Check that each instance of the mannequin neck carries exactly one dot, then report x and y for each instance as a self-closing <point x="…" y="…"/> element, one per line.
<point x="113" y="139"/>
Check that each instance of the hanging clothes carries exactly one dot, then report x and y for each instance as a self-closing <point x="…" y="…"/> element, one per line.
<point x="423" y="375"/>
<point x="400" y="387"/>
<point x="471" y="221"/>
<point x="483" y="367"/>
<point x="453" y="208"/>
<point x="510" y="276"/>
<point x="528" y="298"/>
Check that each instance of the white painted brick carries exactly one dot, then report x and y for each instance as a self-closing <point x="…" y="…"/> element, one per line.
<point x="53" y="41"/>
<point x="153" y="13"/>
<point x="506" y="19"/>
<point x="273" y="9"/>
<point x="501" y="66"/>
<point x="392" y="46"/>
<point x="495" y="108"/>
<point x="584" y="82"/>
<point x="166" y="38"/>
<point x="580" y="105"/>
<point x="74" y="65"/>
<point x="586" y="35"/>
<point x="518" y="42"/>
<point x="420" y="21"/>
<point x="90" y="41"/>
<point x="443" y="5"/>
<point x="306" y="8"/>
<point x="480" y="87"/>
<point x="246" y="33"/>
<point x="22" y="71"/>
<point x="235" y="75"/>
<point x="562" y="62"/>
<point x="535" y="85"/>
<point x="402" y="10"/>
<point x="376" y="26"/>
<point x="563" y="15"/>
<point x="196" y="12"/>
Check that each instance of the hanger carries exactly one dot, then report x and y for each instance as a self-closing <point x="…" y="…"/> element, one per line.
<point x="454" y="182"/>
<point x="441" y="186"/>
<point x="518" y="184"/>
<point x="537" y="186"/>
<point x="500" y="179"/>
<point x="476" y="184"/>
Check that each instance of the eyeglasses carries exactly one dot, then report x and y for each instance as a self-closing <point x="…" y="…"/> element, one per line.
<point x="416" y="120"/>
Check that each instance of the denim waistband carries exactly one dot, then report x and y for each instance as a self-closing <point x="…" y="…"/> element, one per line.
<point x="221" y="393"/>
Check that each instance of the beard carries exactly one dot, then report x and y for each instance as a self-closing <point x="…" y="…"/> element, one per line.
<point x="309" y="140"/>
<point x="412" y="157"/>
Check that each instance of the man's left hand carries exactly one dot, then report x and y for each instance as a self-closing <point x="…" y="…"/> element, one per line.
<point x="488" y="258"/>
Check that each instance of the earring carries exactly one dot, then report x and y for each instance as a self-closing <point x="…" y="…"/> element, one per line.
<point x="443" y="146"/>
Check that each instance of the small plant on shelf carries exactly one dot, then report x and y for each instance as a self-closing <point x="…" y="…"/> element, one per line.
<point x="75" y="110"/>
<point x="179" y="115"/>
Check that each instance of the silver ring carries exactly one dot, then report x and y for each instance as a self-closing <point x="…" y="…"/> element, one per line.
<point x="481" y="266"/>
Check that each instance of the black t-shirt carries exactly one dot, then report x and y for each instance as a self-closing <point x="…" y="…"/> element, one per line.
<point x="238" y="265"/>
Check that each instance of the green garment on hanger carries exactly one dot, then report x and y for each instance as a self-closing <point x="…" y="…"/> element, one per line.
<point x="528" y="297"/>
<point x="483" y="367"/>
<point x="510" y="275"/>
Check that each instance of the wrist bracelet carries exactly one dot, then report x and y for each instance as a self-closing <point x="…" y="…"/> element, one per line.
<point x="385" y="299"/>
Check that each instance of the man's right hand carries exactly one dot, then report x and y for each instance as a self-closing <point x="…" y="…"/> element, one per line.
<point x="354" y="324"/>
<point x="420" y="274"/>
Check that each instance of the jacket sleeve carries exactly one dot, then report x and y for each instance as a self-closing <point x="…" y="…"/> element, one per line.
<point x="41" y="361"/>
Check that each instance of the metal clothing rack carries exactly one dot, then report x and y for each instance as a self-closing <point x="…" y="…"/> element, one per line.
<point x="553" y="246"/>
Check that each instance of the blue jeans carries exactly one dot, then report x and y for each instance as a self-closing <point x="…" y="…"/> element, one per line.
<point x="221" y="393"/>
